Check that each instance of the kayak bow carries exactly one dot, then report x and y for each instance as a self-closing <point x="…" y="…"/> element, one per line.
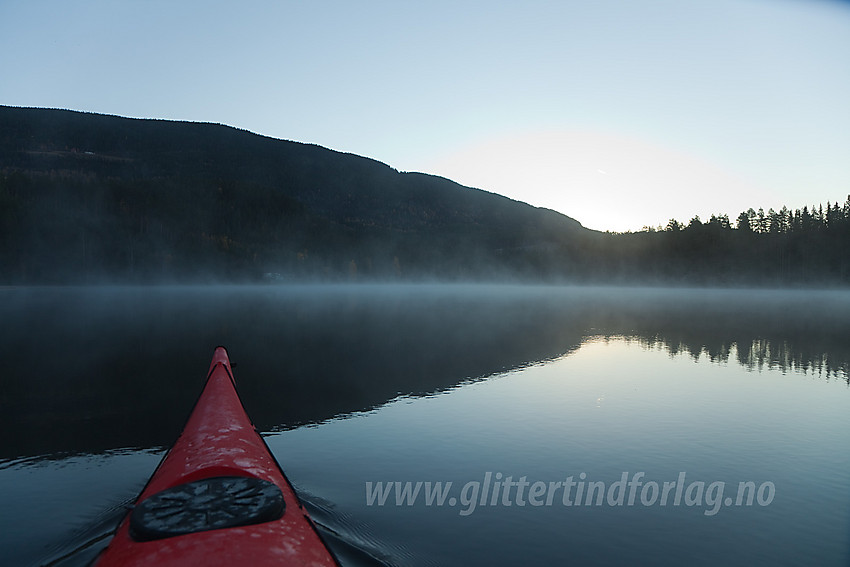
<point x="218" y="497"/>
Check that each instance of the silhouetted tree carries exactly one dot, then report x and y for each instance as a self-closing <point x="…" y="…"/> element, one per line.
<point x="761" y="222"/>
<point x="774" y="222"/>
<point x="805" y="219"/>
<point x="785" y="220"/>
<point x="743" y="222"/>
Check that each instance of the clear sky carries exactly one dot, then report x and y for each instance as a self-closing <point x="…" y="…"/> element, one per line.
<point x="619" y="113"/>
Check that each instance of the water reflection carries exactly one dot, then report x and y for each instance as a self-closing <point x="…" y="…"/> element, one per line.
<point x="90" y="370"/>
<point x="756" y="354"/>
<point x="85" y="369"/>
<point x="612" y="406"/>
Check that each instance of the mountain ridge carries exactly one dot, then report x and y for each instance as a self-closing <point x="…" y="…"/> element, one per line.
<point x="224" y="198"/>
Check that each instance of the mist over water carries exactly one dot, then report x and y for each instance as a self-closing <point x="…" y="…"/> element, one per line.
<point x="443" y="382"/>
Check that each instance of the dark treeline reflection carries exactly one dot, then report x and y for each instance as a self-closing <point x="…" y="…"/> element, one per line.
<point x="90" y="369"/>
<point x="758" y="354"/>
<point x="797" y="331"/>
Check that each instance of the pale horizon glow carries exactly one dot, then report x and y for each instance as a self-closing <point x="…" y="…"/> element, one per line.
<point x="605" y="181"/>
<point x="617" y="113"/>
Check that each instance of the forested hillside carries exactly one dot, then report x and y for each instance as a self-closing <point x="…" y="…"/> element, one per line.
<point x="88" y="198"/>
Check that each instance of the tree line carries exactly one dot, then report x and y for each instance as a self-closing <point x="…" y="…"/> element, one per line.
<point x="833" y="217"/>
<point x="810" y="245"/>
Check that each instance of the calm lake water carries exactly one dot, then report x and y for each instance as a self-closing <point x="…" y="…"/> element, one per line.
<point x="647" y="407"/>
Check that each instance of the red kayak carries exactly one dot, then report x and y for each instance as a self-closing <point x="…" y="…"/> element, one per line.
<point x="218" y="497"/>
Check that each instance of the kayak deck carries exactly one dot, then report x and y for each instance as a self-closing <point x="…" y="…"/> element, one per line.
<point x="218" y="497"/>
